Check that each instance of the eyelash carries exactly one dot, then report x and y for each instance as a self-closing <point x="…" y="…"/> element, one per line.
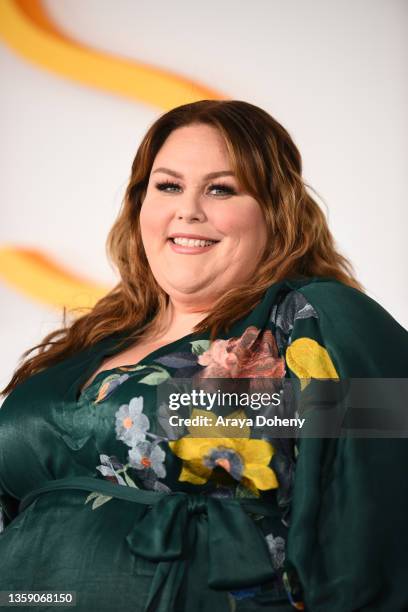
<point x="229" y="190"/>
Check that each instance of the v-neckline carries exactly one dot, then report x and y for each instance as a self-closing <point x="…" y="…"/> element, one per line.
<point x="106" y="350"/>
<point x="91" y="358"/>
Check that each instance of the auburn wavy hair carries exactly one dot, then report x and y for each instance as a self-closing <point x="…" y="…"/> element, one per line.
<point x="268" y="166"/>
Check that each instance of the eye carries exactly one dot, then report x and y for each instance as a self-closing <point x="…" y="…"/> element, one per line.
<point x="163" y="186"/>
<point x="225" y="188"/>
<point x="172" y="187"/>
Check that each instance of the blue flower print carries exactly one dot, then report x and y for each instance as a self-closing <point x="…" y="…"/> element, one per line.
<point x="131" y="423"/>
<point x="147" y="455"/>
<point x="227" y="458"/>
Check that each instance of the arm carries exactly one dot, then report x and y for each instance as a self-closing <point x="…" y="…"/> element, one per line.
<point x="348" y="530"/>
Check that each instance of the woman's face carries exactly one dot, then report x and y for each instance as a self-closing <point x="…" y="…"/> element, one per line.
<point x="194" y="206"/>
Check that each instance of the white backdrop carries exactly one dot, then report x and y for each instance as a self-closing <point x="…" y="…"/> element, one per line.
<point x="333" y="73"/>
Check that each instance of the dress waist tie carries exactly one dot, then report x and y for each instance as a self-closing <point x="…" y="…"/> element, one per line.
<point x="176" y="524"/>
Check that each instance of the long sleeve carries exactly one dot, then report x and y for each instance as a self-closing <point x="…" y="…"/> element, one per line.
<point x="348" y="531"/>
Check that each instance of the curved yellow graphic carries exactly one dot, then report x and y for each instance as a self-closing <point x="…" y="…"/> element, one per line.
<point x="26" y="28"/>
<point x="38" y="277"/>
<point x="36" y="13"/>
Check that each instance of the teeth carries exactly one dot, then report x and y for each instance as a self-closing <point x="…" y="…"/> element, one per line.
<point x="188" y="242"/>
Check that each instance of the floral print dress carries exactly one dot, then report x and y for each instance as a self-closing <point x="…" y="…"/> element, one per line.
<point x="207" y="554"/>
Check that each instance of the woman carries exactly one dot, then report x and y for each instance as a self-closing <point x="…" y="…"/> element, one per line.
<point x="228" y="271"/>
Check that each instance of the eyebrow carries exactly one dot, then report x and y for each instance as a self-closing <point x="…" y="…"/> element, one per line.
<point x="207" y="176"/>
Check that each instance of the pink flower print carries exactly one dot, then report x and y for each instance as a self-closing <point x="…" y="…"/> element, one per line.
<point x="252" y="355"/>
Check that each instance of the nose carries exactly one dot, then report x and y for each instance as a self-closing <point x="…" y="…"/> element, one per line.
<point x="190" y="210"/>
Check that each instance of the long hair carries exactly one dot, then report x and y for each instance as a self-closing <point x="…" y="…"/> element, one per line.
<point x="268" y="166"/>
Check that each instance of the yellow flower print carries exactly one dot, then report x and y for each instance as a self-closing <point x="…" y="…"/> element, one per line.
<point x="308" y="359"/>
<point x="246" y="460"/>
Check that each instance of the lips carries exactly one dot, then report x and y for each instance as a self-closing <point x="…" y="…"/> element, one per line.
<point x="191" y="246"/>
<point x="192" y="237"/>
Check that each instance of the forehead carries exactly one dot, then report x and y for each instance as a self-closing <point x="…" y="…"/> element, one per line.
<point x="194" y="140"/>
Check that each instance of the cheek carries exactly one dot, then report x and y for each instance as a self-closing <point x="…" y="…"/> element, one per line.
<point x="244" y="223"/>
<point x="152" y="220"/>
<point x="255" y="226"/>
<point x="228" y="221"/>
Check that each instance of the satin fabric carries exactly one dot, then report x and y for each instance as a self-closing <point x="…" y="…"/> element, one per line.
<point x="340" y="508"/>
<point x="172" y="525"/>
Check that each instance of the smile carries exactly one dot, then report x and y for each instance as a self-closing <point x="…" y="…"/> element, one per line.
<point x="190" y="245"/>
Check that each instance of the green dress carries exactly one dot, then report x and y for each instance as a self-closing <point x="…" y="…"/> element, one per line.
<point x="101" y="496"/>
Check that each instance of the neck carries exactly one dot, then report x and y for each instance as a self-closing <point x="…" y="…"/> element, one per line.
<point x="178" y="320"/>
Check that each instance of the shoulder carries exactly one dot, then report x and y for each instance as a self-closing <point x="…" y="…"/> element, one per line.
<point x="340" y="305"/>
<point x="56" y="379"/>
<point x="331" y="295"/>
<point x="363" y="338"/>
<point x="24" y="396"/>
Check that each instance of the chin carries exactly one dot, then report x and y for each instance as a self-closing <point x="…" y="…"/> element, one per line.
<point x="186" y="287"/>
